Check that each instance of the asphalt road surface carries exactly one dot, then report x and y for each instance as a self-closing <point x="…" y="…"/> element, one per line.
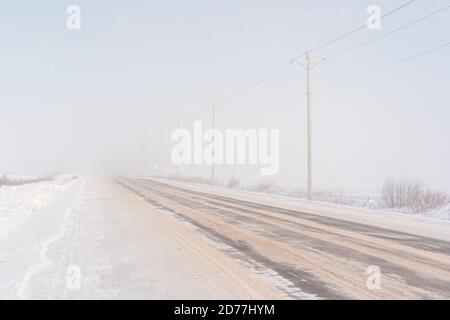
<point x="306" y="255"/>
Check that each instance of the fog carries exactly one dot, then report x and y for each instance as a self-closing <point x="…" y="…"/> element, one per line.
<point x="105" y="99"/>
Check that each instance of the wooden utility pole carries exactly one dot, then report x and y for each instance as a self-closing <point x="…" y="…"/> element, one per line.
<point x="308" y="94"/>
<point x="213" y="126"/>
<point x="308" y="65"/>
<point x="178" y="165"/>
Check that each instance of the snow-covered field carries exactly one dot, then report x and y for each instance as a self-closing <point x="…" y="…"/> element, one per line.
<point x="443" y="213"/>
<point x="17" y="203"/>
<point x="361" y="199"/>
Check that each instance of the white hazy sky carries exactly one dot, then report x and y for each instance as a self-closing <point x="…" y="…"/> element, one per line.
<point x="106" y="98"/>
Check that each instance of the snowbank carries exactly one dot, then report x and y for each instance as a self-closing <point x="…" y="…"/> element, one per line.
<point x="351" y="198"/>
<point x="17" y="202"/>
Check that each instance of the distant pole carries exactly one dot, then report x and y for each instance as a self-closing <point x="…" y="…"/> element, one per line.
<point x="308" y="93"/>
<point x="213" y="127"/>
<point x="178" y="165"/>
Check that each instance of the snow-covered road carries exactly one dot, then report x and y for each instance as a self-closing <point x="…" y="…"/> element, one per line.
<point x="91" y="242"/>
<point x="94" y="238"/>
<point x="321" y="252"/>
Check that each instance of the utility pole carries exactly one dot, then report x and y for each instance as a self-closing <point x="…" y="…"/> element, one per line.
<point x="213" y="126"/>
<point x="178" y="165"/>
<point x="308" y="93"/>
<point x="308" y="65"/>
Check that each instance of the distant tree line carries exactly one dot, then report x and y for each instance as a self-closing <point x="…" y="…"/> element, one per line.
<point x="6" y="181"/>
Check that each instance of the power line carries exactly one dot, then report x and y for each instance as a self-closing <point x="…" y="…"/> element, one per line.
<point x="387" y="34"/>
<point x="381" y="68"/>
<point x="286" y="102"/>
<point x="277" y="85"/>
<point x="362" y="27"/>
<point x="284" y="66"/>
<point x="254" y="85"/>
<point x="295" y="98"/>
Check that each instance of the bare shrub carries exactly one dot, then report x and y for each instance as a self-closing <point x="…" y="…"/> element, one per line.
<point x="233" y="183"/>
<point x="335" y="196"/>
<point x="263" y="187"/>
<point x="296" y="193"/>
<point x="6" y="181"/>
<point x="3" y="180"/>
<point x="412" y="196"/>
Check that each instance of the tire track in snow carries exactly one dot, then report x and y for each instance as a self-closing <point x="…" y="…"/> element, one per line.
<point x="46" y="261"/>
